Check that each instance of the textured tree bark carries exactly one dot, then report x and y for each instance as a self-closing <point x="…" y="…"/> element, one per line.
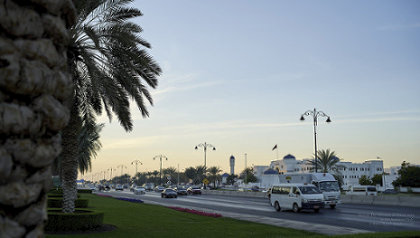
<point x="34" y="84"/>
<point x="69" y="163"/>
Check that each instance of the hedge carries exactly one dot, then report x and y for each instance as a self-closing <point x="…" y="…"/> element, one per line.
<point x="78" y="221"/>
<point x="57" y="202"/>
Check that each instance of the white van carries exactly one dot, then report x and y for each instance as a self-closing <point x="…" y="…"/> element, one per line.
<point x="296" y="197"/>
<point x="363" y="190"/>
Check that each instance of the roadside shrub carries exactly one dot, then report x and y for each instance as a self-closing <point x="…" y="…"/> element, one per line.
<point x="57" y="202"/>
<point x="78" y="221"/>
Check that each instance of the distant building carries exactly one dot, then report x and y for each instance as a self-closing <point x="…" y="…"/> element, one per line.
<point x="232" y="164"/>
<point x="259" y="170"/>
<point x="289" y="164"/>
<point x="352" y="172"/>
<point x="224" y="178"/>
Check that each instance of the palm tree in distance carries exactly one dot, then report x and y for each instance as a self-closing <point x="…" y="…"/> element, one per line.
<point x="327" y="161"/>
<point x="109" y="66"/>
<point x="214" y="174"/>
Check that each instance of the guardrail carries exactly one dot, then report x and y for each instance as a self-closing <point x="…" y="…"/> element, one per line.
<point x="391" y="200"/>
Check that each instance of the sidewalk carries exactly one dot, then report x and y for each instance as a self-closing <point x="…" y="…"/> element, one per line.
<point x="318" y="228"/>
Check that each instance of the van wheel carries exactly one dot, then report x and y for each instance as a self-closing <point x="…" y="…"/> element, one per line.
<point x="277" y="206"/>
<point x="296" y="208"/>
<point x="316" y="210"/>
<point x="332" y="206"/>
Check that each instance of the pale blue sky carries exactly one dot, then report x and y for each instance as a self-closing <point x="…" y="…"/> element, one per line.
<point x="238" y="74"/>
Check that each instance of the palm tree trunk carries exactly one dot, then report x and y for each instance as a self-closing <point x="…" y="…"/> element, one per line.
<point x="34" y="84"/>
<point x="69" y="162"/>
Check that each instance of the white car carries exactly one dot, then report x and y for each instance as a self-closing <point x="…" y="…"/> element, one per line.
<point x="139" y="190"/>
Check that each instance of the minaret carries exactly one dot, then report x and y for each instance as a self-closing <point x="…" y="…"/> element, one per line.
<point x="232" y="164"/>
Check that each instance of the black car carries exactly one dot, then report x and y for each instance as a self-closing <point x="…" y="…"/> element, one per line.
<point x="169" y="193"/>
<point x="194" y="190"/>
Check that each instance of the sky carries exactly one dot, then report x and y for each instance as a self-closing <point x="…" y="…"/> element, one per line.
<point x="239" y="74"/>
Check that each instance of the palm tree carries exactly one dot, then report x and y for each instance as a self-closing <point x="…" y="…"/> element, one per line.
<point x="214" y="174"/>
<point x="190" y="173"/>
<point x="34" y="85"/>
<point x="170" y="171"/>
<point x="108" y="64"/>
<point x="327" y="161"/>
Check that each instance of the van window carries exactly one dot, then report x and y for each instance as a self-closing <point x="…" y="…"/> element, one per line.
<point x="285" y="190"/>
<point x="359" y="189"/>
<point x="309" y="190"/>
<point x="275" y="190"/>
<point x="371" y="189"/>
<point x="295" y="191"/>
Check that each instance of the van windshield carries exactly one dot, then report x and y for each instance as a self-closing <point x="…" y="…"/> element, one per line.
<point x="309" y="190"/>
<point x="329" y="186"/>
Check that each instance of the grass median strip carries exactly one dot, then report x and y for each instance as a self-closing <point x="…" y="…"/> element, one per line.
<point x="145" y="220"/>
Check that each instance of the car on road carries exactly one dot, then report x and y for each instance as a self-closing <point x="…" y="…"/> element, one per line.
<point x="169" y="193"/>
<point x="138" y="190"/>
<point x="181" y="191"/>
<point x="194" y="190"/>
<point x="159" y="188"/>
<point x="296" y="197"/>
<point x="390" y="191"/>
<point x="119" y="187"/>
<point x="363" y="190"/>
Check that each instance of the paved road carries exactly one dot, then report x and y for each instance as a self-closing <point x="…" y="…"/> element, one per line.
<point x="361" y="217"/>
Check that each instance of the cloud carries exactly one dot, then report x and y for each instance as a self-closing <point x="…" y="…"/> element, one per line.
<point x="399" y="27"/>
<point x="124" y="143"/>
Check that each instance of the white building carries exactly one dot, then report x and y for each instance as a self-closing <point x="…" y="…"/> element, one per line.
<point x="289" y="164"/>
<point x="352" y="172"/>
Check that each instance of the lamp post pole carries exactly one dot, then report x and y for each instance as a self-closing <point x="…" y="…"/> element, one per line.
<point x="246" y="172"/>
<point x="205" y="146"/>
<point x="136" y="162"/>
<point x="122" y="167"/>
<point x="315" y="114"/>
<point x="160" y="173"/>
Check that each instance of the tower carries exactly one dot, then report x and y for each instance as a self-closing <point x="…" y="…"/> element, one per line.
<point x="232" y="164"/>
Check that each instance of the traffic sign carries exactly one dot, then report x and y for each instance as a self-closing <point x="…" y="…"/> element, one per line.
<point x="205" y="181"/>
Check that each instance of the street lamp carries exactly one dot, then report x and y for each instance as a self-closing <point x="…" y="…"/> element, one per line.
<point x="205" y="145"/>
<point x="110" y="175"/>
<point x="160" y="173"/>
<point x="122" y="167"/>
<point x="315" y="114"/>
<point x="136" y="162"/>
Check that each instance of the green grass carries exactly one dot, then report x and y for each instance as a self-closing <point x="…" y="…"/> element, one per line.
<point x="144" y="220"/>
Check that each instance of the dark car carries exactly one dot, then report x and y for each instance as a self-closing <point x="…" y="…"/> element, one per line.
<point x="181" y="191"/>
<point x="119" y="187"/>
<point x="159" y="188"/>
<point x="194" y="190"/>
<point x="390" y="191"/>
<point x="169" y="193"/>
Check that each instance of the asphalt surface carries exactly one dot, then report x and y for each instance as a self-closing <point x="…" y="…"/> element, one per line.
<point x="361" y="217"/>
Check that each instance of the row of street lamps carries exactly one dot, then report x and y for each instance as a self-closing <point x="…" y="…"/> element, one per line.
<point x="314" y="113"/>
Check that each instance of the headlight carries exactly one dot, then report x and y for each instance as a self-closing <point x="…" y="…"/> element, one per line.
<point x="304" y="200"/>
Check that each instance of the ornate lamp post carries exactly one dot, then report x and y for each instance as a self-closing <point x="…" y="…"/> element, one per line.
<point x="160" y="173"/>
<point x="122" y="167"/>
<point x="315" y="114"/>
<point x="136" y="162"/>
<point x="205" y="146"/>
